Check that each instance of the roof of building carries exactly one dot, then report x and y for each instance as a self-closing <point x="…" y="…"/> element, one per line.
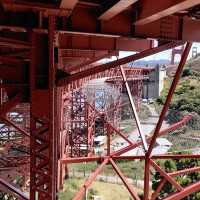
<point x="163" y="142"/>
<point x="100" y="138"/>
<point x="160" y="150"/>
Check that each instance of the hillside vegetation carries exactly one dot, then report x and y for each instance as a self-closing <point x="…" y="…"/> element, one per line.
<point x="106" y="191"/>
<point x="186" y="98"/>
<point x="194" y="64"/>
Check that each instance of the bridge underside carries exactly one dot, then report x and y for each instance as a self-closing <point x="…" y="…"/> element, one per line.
<point x="48" y="51"/>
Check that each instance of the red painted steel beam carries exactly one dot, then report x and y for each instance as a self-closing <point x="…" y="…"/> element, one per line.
<point x="13" y="162"/>
<point x="184" y="193"/>
<point x="76" y="53"/>
<point x="166" y="176"/>
<point x="133" y="107"/>
<point x="119" y="133"/>
<point x="124" y="180"/>
<point x="109" y="133"/>
<point x="115" y="9"/>
<point x="176" y="156"/>
<point x="11" y="60"/>
<point x="90" y="180"/>
<point x="169" y="96"/>
<point x="151" y="11"/>
<point x="17" y="44"/>
<point x="22" y="53"/>
<point x="171" y="28"/>
<point x="177" y="173"/>
<point x="118" y="78"/>
<point x="66" y="4"/>
<point x="109" y="126"/>
<point x="25" y="6"/>
<point x="128" y="158"/>
<point x="9" y="122"/>
<point x="146" y="178"/>
<point x="162" y="132"/>
<point x="13" y="28"/>
<point x="113" y="64"/>
<point x="190" y="30"/>
<point x="184" y="171"/>
<point x="158" y="189"/>
<point x="84" y="23"/>
<point x="54" y="127"/>
<point x="80" y="159"/>
<point x="13" y="190"/>
<point x="10" y="104"/>
<point x="13" y="85"/>
<point x="159" y="157"/>
<point x="44" y="126"/>
<point x="88" y="41"/>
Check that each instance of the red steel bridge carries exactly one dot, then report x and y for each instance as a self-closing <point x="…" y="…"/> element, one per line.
<point x="48" y="50"/>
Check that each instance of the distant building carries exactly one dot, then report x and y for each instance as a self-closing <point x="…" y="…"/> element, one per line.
<point x="162" y="146"/>
<point x="154" y="85"/>
<point x="95" y="197"/>
<point x="163" y="142"/>
<point x="100" y="144"/>
<point x="100" y="140"/>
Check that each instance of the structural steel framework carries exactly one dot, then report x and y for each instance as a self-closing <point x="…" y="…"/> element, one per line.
<point x="49" y="50"/>
<point x="176" y="51"/>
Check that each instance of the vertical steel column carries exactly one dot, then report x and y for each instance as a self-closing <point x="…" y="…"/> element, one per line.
<point x="116" y="106"/>
<point x="61" y="136"/>
<point x="90" y="128"/>
<point x="79" y="125"/>
<point x="146" y="178"/>
<point x="43" y="132"/>
<point x="54" y="118"/>
<point x="1" y="93"/>
<point x="108" y="138"/>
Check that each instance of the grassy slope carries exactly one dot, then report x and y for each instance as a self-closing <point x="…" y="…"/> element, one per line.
<point x="106" y="190"/>
<point x="128" y="123"/>
<point x="186" y="99"/>
<point x="130" y="169"/>
<point x="187" y="94"/>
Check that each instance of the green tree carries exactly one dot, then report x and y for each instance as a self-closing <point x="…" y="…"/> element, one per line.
<point x="186" y="98"/>
<point x="184" y="180"/>
<point x="187" y="72"/>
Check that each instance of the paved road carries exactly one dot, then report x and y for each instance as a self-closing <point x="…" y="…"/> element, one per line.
<point x="147" y="125"/>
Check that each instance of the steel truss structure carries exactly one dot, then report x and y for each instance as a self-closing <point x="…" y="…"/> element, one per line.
<point x="176" y="51"/>
<point x="82" y="123"/>
<point x="100" y="104"/>
<point x="48" y="50"/>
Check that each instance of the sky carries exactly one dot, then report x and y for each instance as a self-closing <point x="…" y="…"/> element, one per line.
<point x="166" y="55"/>
<point x="162" y="55"/>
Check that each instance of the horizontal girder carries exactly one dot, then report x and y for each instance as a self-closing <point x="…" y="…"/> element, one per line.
<point x="117" y="20"/>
